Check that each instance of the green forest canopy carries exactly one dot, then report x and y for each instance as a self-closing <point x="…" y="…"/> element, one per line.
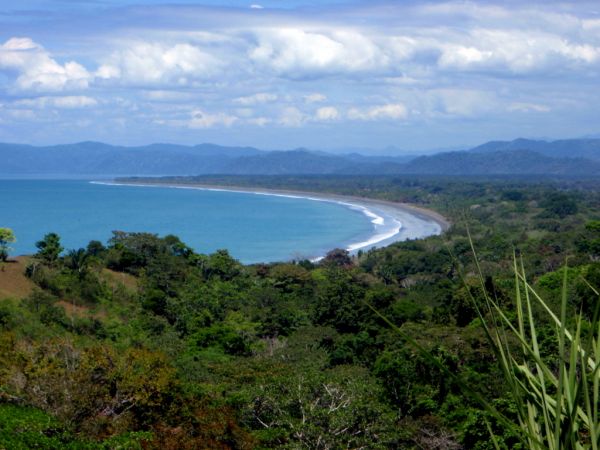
<point x="141" y="341"/>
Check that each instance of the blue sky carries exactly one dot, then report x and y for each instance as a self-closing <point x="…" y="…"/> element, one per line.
<point x="280" y="74"/>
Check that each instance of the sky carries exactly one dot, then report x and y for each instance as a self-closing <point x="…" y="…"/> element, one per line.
<point x="381" y="76"/>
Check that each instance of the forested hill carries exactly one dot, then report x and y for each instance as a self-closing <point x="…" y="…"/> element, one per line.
<point x="577" y="157"/>
<point x="566" y="148"/>
<point x="569" y="157"/>
<point x="96" y="158"/>
<point x="508" y="162"/>
<point x="143" y="343"/>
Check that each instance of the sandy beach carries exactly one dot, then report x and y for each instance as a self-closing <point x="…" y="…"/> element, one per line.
<point x="391" y="221"/>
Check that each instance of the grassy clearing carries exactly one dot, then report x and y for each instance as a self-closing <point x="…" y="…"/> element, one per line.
<point x="116" y="279"/>
<point x="13" y="282"/>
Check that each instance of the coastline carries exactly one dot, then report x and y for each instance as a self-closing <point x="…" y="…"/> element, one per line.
<point x="392" y="221"/>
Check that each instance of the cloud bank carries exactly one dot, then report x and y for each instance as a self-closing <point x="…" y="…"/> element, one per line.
<point x="416" y="74"/>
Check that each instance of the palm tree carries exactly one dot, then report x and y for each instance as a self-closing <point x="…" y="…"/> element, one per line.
<point x="77" y="261"/>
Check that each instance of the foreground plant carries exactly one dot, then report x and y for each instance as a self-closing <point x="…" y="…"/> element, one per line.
<point x="557" y="404"/>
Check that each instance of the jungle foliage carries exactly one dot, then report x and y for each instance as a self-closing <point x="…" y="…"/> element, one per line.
<point x="141" y="342"/>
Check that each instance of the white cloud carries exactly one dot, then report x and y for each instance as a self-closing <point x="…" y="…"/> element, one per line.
<point x="383" y="61"/>
<point x="591" y="24"/>
<point x="261" y="97"/>
<point x="403" y="80"/>
<point x="23" y="114"/>
<point x="314" y="98"/>
<point x="297" y="53"/>
<point x="66" y="102"/>
<point x="164" y="95"/>
<point x="244" y="112"/>
<point x="21" y="44"/>
<point x="156" y="63"/>
<point x="327" y="113"/>
<point x="528" y="107"/>
<point x="37" y="71"/>
<point x="584" y="53"/>
<point x="393" y="111"/>
<point x="292" y="117"/>
<point x="404" y="48"/>
<point x="259" y="121"/>
<point x="459" y="102"/>
<point x="497" y="46"/>
<point x="201" y="119"/>
<point x="518" y="51"/>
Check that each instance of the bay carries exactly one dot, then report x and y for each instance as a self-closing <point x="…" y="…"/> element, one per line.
<point x="254" y="228"/>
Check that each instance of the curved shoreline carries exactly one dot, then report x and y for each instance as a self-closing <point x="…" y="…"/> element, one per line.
<point x="392" y="222"/>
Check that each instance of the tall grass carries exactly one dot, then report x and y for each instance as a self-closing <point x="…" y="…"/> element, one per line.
<point x="558" y="401"/>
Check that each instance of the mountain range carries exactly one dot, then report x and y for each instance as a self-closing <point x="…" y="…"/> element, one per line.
<point x="574" y="157"/>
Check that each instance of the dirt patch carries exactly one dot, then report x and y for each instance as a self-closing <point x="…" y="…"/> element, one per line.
<point x="114" y="279"/>
<point x="13" y="282"/>
<point x="73" y="310"/>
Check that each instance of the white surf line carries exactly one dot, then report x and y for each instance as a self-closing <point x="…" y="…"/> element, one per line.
<point x="375" y="219"/>
<point x="377" y="238"/>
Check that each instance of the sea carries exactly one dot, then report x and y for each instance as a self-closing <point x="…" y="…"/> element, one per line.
<point x="253" y="227"/>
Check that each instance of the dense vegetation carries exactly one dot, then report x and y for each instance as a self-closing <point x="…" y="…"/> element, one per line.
<point x="141" y="342"/>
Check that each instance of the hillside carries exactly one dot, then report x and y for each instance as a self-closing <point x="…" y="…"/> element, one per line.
<point x="306" y="162"/>
<point x="143" y="343"/>
<point x="13" y="282"/>
<point x="567" y="148"/>
<point x="575" y="157"/>
<point x="508" y="162"/>
<point x="95" y="158"/>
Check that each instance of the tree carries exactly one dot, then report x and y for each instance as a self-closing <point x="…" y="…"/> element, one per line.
<point x="6" y="237"/>
<point x="77" y="261"/>
<point x="560" y="205"/>
<point x="49" y="247"/>
<point x="336" y="408"/>
<point x="95" y="248"/>
<point x="337" y="257"/>
<point x="221" y="265"/>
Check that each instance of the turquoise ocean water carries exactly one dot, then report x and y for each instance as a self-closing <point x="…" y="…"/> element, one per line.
<point x="252" y="227"/>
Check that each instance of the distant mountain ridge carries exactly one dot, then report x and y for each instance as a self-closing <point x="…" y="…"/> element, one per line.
<point x="566" y="148"/>
<point x="508" y="162"/>
<point x="96" y="158"/>
<point x="573" y="157"/>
